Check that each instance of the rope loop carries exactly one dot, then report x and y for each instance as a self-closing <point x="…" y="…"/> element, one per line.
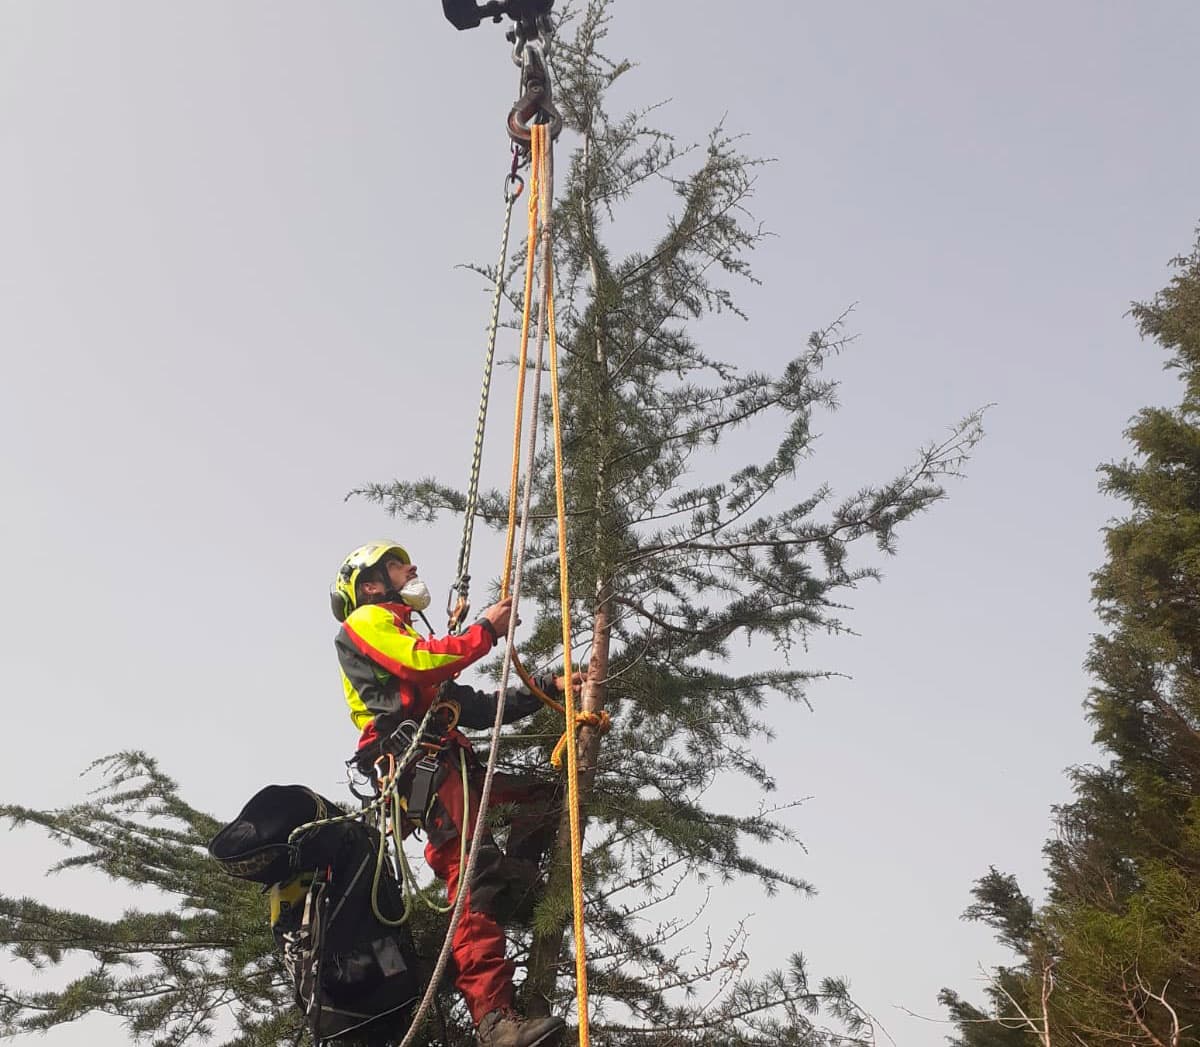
<point x="601" y="721"/>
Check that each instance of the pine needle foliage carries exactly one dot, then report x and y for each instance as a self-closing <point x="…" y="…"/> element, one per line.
<point x="696" y="584"/>
<point x="198" y="964"/>
<point x="171" y="974"/>
<point x="1110" y="958"/>
<point x="696" y="578"/>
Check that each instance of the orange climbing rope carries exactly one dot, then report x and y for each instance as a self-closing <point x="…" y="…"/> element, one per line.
<point x="540" y="230"/>
<point x="573" y="800"/>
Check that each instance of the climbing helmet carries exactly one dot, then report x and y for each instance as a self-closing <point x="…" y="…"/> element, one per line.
<point x="343" y="593"/>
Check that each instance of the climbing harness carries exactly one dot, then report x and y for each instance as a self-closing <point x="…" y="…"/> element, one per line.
<point x="387" y="809"/>
<point x="431" y="744"/>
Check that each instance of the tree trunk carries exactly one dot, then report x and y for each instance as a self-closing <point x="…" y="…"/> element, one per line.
<point x="546" y="950"/>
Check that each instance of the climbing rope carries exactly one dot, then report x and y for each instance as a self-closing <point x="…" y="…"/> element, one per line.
<point x="541" y="146"/>
<point x="545" y="148"/>
<point x="391" y="820"/>
<point x="456" y="610"/>
<point x="517" y="562"/>
<point x="541" y="231"/>
<point x="536" y="100"/>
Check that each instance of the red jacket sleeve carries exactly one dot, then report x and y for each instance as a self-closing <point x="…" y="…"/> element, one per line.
<point x="390" y="642"/>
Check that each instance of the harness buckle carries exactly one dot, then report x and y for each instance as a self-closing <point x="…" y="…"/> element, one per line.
<point x="400" y="738"/>
<point x="421" y="791"/>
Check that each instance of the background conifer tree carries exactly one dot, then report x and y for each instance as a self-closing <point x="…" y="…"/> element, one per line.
<point x="1118" y="939"/>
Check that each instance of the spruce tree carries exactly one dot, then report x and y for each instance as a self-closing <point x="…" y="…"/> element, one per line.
<point x="695" y="586"/>
<point x="1119" y="930"/>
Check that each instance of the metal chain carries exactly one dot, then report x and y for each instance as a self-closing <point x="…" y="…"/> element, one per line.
<point x="456" y="610"/>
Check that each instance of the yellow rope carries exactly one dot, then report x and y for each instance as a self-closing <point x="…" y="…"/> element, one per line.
<point x="542" y="155"/>
<point x="515" y="555"/>
<point x="535" y="190"/>
<point x="601" y="721"/>
<point x="535" y="196"/>
<point x="540" y="203"/>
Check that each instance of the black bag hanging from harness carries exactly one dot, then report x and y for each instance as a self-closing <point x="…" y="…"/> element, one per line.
<point x="355" y="978"/>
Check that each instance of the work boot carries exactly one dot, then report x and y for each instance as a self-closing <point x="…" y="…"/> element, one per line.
<point x="506" y="1028"/>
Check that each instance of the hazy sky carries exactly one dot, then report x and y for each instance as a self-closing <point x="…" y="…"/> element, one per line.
<point x="228" y="238"/>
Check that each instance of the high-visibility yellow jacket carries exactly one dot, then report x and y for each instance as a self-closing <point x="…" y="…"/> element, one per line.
<point x="392" y="672"/>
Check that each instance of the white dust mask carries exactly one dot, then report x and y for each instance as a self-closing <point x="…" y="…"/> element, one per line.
<point x="416" y="594"/>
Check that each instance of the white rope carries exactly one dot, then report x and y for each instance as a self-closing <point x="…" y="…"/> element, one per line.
<point x="465" y="875"/>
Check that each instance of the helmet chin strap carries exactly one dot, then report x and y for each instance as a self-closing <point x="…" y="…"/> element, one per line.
<point x="390" y="594"/>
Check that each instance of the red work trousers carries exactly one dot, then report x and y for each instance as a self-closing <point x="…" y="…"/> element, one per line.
<point x="484" y="973"/>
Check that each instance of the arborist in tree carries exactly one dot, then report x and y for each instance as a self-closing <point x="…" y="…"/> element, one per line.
<point x="392" y="675"/>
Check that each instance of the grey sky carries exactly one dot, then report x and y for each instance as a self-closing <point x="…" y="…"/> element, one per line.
<point x="225" y="228"/>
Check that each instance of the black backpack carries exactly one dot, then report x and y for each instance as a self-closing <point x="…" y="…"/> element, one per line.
<point x="355" y="977"/>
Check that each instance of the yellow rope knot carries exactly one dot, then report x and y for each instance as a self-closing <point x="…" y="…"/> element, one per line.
<point x="601" y="721"/>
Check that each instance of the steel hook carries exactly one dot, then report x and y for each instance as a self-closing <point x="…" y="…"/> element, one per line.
<point x="536" y="103"/>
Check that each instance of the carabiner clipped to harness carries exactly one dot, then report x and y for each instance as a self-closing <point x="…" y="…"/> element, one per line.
<point x="536" y="103"/>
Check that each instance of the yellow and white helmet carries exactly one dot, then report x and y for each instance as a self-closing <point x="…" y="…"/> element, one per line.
<point x="343" y="594"/>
